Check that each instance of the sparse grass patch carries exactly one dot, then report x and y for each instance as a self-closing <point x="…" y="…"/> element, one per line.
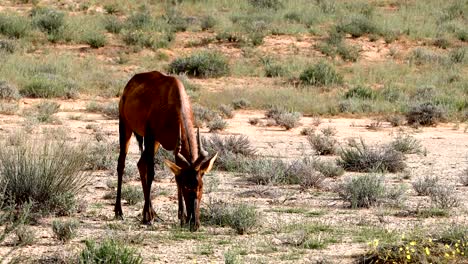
<point x="64" y="230"/>
<point x="110" y="110"/>
<point x="202" y="64"/>
<point x="113" y="25"/>
<point x="7" y="108"/>
<point x="202" y="115"/>
<point x="240" y="103"/>
<point x="283" y="117"/>
<point x="95" y="39"/>
<point x="101" y="156"/>
<point x="49" y="86"/>
<point x="132" y="194"/>
<point x="14" y="25"/>
<point x="329" y="169"/>
<point x="226" y="111"/>
<point x="359" y="157"/>
<point x="45" y="110"/>
<point x="108" y="251"/>
<point x="464" y="177"/>
<point x="359" y="26"/>
<point x="26" y="235"/>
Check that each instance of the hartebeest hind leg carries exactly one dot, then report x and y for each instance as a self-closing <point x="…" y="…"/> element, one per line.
<point x="125" y="135"/>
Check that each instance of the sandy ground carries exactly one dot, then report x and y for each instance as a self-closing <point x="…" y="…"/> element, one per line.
<point x="447" y="157"/>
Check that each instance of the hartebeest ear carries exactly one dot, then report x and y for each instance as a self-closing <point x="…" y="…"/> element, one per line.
<point x="173" y="167"/>
<point x="208" y="165"/>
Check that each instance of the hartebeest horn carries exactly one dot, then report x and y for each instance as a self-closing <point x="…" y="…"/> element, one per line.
<point x="177" y="151"/>
<point x="202" y="154"/>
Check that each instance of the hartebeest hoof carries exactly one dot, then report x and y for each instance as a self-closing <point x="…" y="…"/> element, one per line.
<point x="150" y="217"/>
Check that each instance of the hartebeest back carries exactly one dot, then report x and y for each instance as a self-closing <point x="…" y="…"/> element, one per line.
<point x="157" y="110"/>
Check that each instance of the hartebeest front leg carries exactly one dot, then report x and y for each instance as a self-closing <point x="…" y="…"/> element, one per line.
<point x="124" y="139"/>
<point x="148" y="159"/>
<point x="182" y="214"/>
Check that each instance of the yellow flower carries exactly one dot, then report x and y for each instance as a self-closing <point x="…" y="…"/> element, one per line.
<point x="406" y="247"/>
<point x="428" y="252"/>
<point x="403" y="236"/>
<point x="447" y="246"/>
<point x="458" y="250"/>
<point x="430" y="240"/>
<point x="408" y="257"/>
<point x="412" y="250"/>
<point x="401" y="249"/>
<point x="413" y="243"/>
<point x="447" y="255"/>
<point x="456" y="244"/>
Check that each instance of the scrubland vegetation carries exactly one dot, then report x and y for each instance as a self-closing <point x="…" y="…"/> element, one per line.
<point x="402" y="63"/>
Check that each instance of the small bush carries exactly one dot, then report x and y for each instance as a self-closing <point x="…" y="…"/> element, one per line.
<point x="95" y="39"/>
<point x="424" y="114"/>
<point x="361" y="92"/>
<point x="113" y="25"/>
<point x="14" y="26"/>
<point x="421" y="56"/>
<point x="45" y="111"/>
<point x="424" y="186"/>
<point x="442" y="42"/>
<point x="132" y="194"/>
<point x="26" y="236"/>
<point x="444" y="197"/>
<point x="108" y="251"/>
<point x="406" y="144"/>
<point x="268" y="171"/>
<point x="202" y="115"/>
<point x="323" y="144"/>
<point x="359" y="157"/>
<point x="362" y="191"/>
<point x="358" y="27"/>
<point x="321" y="74"/>
<point x="232" y="151"/>
<point x="8" y="108"/>
<point x="240" y="103"/>
<point x="307" y="131"/>
<point x="203" y="64"/>
<point x="217" y="124"/>
<point x="208" y="22"/>
<point x="8" y="91"/>
<point x="64" y="230"/>
<point x="226" y="111"/>
<point x="254" y="121"/>
<point x="40" y="170"/>
<point x="7" y="46"/>
<point x="289" y="120"/>
<point x="395" y="120"/>
<point x="329" y="169"/>
<point x="348" y="53"/>
<point x="112" y="8"/>
<point x="464" y="177"/>
<point x="306" y="174"/>
<point x="240" y="217"/>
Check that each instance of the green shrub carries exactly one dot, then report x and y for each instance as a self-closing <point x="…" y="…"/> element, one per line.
<point x="458" y="55"/>
<point x="145" y="39"/>
<point x="421" y="56"/>
<point x="268" y="171"/>
<point x="101" y="156"/>
<point x="132" y="194"/>
<point x="232" y="151"/>
<point x="110" y="110"/>
<point x="321" y="74"/>
<point x="7" y="108"/>
<point x="113" y="25"/>
<point x="41" y="170"/>
<point x="348" y="53"/>
<point x="202" y="115"/>
<point x="240" y="103"/>
<point x="275" y="70"/>
<point x="442" y="42"/>
<point x="359" y="157"/>
<point x="424" y="114"/>
<point x="64" y="230"/>
<point x="329" y="169"/>
<point x="289" y="120"/>
<point x="358" y="27"/>
<point x="14" y="26"/>
<point x="208" y="22"/>
<point x="361" y="92"/>
<point x="139" y="20"/>
<point x="362" y="191"/>
<point x="108" y="251"/>
<point x="112" y="8"/>
<point x="49" y="21"/>
<point x="8" y="91"/>
<point x="95" y="39"/>
<point x="203" y="64"/>
<point x="176" y="20"/>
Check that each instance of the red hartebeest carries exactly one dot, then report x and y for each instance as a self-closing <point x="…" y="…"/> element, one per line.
<point x="156" y="109"/>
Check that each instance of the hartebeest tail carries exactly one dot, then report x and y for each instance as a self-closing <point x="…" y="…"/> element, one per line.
<point x="156" y="109"/>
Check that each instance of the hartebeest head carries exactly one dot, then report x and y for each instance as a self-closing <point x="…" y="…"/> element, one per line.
<point x="189" y="178"/>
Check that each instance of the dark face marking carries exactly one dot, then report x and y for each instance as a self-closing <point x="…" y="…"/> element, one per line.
<point x="191" y="182"/>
